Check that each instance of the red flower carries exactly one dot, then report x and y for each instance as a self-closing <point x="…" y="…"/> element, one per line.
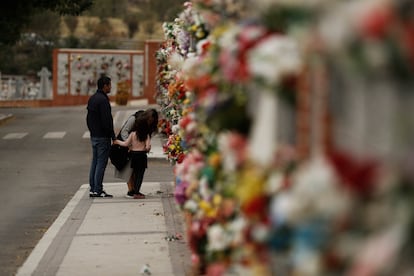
<point x="376" y="22"/>
<point x="180" y="157"/>
<point x="257" y="208"/>
<point x="359" y="175"/>
<point x="408" y="41"/>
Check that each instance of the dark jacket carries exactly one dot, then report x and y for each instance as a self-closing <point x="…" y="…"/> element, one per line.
<point x="99" y="119"/>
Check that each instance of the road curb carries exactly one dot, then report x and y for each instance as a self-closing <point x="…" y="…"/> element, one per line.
<point x="5" y="117"/>
<point x="31" y="263"/>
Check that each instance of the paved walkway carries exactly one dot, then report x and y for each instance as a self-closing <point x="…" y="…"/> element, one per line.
<point x="117" y="236"/>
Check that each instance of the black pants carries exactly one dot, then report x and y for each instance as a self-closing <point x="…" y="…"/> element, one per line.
<point x="139" y="177"/>
<point x="138" y="164"/>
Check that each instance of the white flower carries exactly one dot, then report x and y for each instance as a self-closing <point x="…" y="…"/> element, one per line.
<point x="260" y="232"/>
<point x="204" y="189"/>
<point x="175" y="61"/>
<point x="175" y="129"/>
<point x="228" y="155"/>
<point x="191" y="127"/>
<point x="236" y="227"/>
<point x="192" y="68"/>
<point x="284" y="208"/>
<point x="274" y="183"/>
<point x="228" y="39"/>
<point x="315" y="193"/>
<point x="218" y="238"/>
<point x="273" y="58"/>
<point x="191" y="206"/>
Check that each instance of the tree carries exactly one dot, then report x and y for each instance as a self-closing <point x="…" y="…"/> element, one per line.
<point x="102" y="29"/>
<point x="40" y="24"/>
<point x="71" y="22"/>
<point x="16" y="14"/>
<point x="166" y="10"/>
<point x="109" y="8"/>
<point x="132" y="22"/>
<point x="149" y="27"/>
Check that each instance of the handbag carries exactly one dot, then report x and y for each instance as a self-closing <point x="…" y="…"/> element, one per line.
<point x="119" y="156"/>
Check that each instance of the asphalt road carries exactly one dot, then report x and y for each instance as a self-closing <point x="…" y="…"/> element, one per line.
<point x="44" y="159"/>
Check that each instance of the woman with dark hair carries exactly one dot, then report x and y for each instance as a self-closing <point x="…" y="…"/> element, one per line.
<point x="127" y="172"/>
<point x="152" y="118"/>
<point x="139" y="143"/>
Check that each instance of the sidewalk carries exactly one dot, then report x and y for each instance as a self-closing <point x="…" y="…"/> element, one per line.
<point x="117" y="236"/>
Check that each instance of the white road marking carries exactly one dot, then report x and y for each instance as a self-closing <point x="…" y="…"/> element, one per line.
<point x="15" y="135"/>
<point x="55" y="135"/>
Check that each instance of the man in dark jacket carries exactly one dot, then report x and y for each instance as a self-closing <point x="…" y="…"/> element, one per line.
<point x="101" y="128"/>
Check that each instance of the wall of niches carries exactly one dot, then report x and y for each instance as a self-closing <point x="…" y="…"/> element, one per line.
<point x="76" y="71"/>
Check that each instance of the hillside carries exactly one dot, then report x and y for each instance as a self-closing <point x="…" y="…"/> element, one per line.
<point x="119" y="30"/>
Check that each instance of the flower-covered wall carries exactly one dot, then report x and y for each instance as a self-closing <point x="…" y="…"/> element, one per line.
<point x="290" y="129"/>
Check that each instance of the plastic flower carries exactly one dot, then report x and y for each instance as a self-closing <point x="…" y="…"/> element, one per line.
<point x="207" y="208"/>
<point x="233" y="148"/>
<point x="218" y="238"/>
<point x="250" y="185"/>
<point x="191" y="205"/>
<point x="235" y="45"/>
<point x="273" y="58"/>
<point x="315" y="194"/>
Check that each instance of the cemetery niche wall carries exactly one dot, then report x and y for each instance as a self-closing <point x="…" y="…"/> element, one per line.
<point x="76" y="71"/>
<point x="74" y="75"/>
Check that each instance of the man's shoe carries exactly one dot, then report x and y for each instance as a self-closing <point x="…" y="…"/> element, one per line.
<point x="130" y="194"/>
<point x="139" y="196"/>
<point x="103" y="194"/>
<point x="92" y="194"/>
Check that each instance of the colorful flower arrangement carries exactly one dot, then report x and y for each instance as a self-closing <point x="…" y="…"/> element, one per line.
<point x="252" y="205"/>
<point x="174" y="149"/>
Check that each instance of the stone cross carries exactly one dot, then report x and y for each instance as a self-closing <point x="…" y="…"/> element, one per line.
<point x="19" y="87"/>
<point x="44" y="89"/>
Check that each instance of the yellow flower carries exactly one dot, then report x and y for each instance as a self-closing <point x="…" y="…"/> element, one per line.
<point x="214" y="159"/>
<point x="250" y="184"/>
<point x="200" y="33"/>
<point x="187" y="101"/>
<point x="212" y="213"/>
<point x="220" y="30"/>
<point x="207" y="208"/>
<point x="204" y="205"/>
<point x="217" y="199"/>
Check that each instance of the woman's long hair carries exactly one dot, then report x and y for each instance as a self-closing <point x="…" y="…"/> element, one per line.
<point x="152" y="119"/>
<point x="141" y="128"/>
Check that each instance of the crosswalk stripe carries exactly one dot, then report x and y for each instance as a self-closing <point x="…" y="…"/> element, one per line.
<point x="54" y="135"/>
<point x="15" y="135"/>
